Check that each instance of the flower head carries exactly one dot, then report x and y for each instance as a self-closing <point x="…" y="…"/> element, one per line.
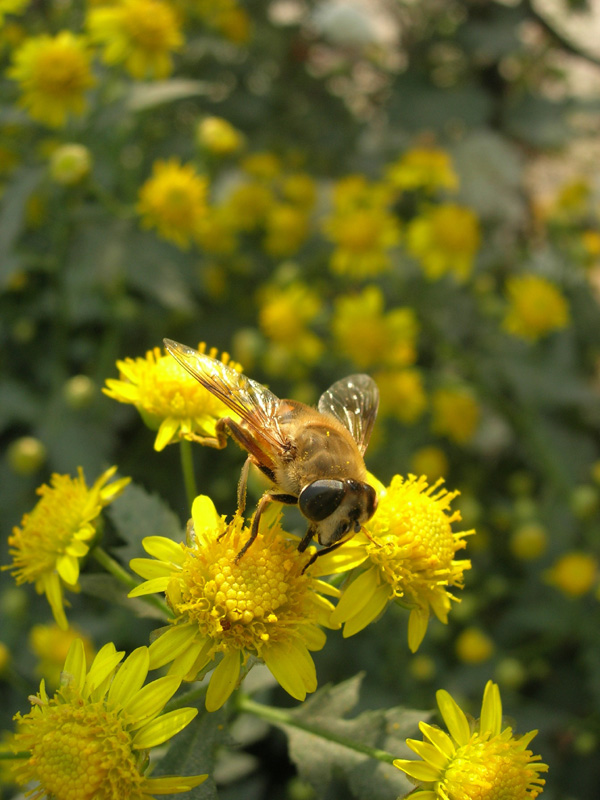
<point x="261" y="606"/>
<point x="168" y="398"/>
<point x="363" y="239"/>
<point x="427" y="168"/>
<point x="445" y="239"/>
<point x="173" y="201"/>
<point x="54" y="74"/>
<point x="402" y="394"/>
<point x="51" y="645"/>
<point x="409" y="557"/>
<point x="536" y="307"/>
<point x="286" y="230"/>
<point x="218" y="136"/>
<point x="574" y="573"/>
<point x="455" y="413"/>
<point x="57" y="534"/>
<point x="90" y="740"/>
<point x="474" y="761"/>
<point x="142" y="34"/>
<point x="12" y="7"/>
<point x="368" y="335"/>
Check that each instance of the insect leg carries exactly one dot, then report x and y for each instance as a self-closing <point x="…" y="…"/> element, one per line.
<point x="242" y="483"/>
<point x="263" y="502"/>
<point x="306" y="539"/>
<point x="322" y="552"/>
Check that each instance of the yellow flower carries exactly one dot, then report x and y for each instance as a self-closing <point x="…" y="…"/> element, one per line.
<point x="401" y="394"/>
<point x="473" y="646"/>
<point x="409" y="557"/>
<point x="363" y="239"/>
<point x="262" y="606"/>
<point x="168" y="398"/>
<point x="536" y="308"/>
<point x="264" y="166"/>
<point x="574" y="573"/>
<point x="218" y="136"/>
<point x="455" y="414"/>
<point x="53" y="73"/>
<point x="226" y="17"/>
<point x="529" y="541"/>
<point x="285" y="311"/>
<point x="299" y="189"/>
<point x="476" y="760"/>
<point x="51" y="645"/>
<point x="142" y="34"/>
<point x="368" y="336"/>
<point x="445" y="239"/>
<point x="47" y="548"/>
<point x="216" y="231"/>
<point x="90" y="740"/>
<point x="249" y="204"/>
<point x="430" y="461"/>
<point x="173" y="201"/>
<point x="12" y="7"/>
<point x="428" y="168"/>
<point x="70" y="163"/>
<point x="355" y="191"/>
<point x="286" y="230"/>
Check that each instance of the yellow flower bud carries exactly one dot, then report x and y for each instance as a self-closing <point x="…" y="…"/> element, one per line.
<point x="26" y="455"/>
<point x="529" y="541"/>
<point x="70" y="163"/>
<point x="473" y="646"/>
<point x="218" y="136"/>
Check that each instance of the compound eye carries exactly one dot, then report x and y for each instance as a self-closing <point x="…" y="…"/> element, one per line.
<point x="320" y="499"/>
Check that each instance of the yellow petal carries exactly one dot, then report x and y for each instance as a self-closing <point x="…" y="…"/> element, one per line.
<point x="173" y="785"/>
<point x="171" y="644"/>
<point x="491" y="710"/>
<point x="164" y="549"/>
<point x="150" y="587"/>
<point x="163" y="728"/>
<point x="291" y="668"/>
<point x="370" y="612"/>
<point x="167" y="430"/>
<point x="417" y="627"/>
<point x="130" y="677"/>
<point x="418" y="770"/>
<point x="356" y="596"/>
<point x="184" y="663"/>
<point x="150" y="700"/>
<point x="68" y="569"/>
<point x="454" y="717"/>
<point x="149" y="569"/>
<point x="75" y="668"/>
<point x="204" y="515"/>
<point x="223" y="680"/>
<point x="428" y="753"/>
<point x="103" y="665"/>
<point x="438" y="738"/>
<point x="53" y="591"/>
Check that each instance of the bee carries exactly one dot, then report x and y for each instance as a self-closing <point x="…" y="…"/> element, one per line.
<point x="313" y="457"/>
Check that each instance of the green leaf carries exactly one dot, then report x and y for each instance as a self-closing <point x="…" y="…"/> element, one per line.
<point x="193" y="751"/>
<point x="320" y="760"/>
<point x="137" y="514"/>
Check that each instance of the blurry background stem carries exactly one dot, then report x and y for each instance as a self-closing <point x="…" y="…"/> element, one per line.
<point x="187" y="467"/>
<point x="117" y="571"/>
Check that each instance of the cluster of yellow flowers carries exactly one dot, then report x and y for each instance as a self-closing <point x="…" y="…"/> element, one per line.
<point x="224" y="613"/>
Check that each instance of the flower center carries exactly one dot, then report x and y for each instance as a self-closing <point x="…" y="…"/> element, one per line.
<point x="360" y="232"/>
<point x="149" y="25"/>
<point x="167" y="390"/>
<point x="496" y="769"/>
<point x="60" y="72"/>
<point x="80" y="752"/>
<point x="243" y="604"/>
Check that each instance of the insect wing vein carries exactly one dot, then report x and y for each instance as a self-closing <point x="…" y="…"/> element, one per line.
<point x="354" y="402"/>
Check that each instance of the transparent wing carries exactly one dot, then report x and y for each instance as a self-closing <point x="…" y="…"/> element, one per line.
<point x="354" y="401"/>
<point x="250" y="400"/>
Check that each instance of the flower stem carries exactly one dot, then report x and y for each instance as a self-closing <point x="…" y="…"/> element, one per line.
<point x="279" y="716"/>
<point x="126" y="578"/>
<point x="187" y="467"/>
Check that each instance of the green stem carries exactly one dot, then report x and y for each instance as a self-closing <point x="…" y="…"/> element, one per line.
<point x="126" y="578"/>
<point x="187" y="467"/>
<point x="279" y="716"/>
<point x="10" y="756"/>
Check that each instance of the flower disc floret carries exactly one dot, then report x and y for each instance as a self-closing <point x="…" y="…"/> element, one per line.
<point x="168" y="398"/>
<point x="410" y="558"/>
<point x="90" y="740"/>
<point x="57" y="534"/>
<point x="474" y="761"/>
<point x="261" y="605"/>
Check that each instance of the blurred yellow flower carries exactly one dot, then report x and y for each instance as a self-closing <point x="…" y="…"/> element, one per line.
<point x="141" y="34"/>
<point x="591" y="242"/>
<point x="168" y="398"/>
<point x="12" y="7"/>
<point x="363" y="239"/>
<point x="26" y="455"/>
<point x="536" y="307"/>
<point x="286" y="229"/>
<point x="428" y="168"/>
<point x="216" y="231"/>
<point x="90" y="741"/>
<point x="368" y="336"/>
<point x="218" y="136"/>
<point x="445" y="239"/>
<point x="473" y="646"/>
<point x="57" y="534"/>
<point x="529" y="541"/>
<point x="409" y="558"/>
<point x="53" y="73"/>
<point x="574" y="573"/>
<point x="226" y="17"/>
<point x="261" y="606"/>
<point x="475" y="761"/>
<point x="51" y="646"/>
<point x="173" y="201"/>
<point x="284" y="312"/>
<point x="430" y="461"/>
<point x="455" y="414"/>
<point x="401" y="394"/>
<point x="70" y="163"/>
<point x="355" y="191"/>
<point x="263" y="166"/>
<point x="249" y="203"/>
<point x="300" y="190"/>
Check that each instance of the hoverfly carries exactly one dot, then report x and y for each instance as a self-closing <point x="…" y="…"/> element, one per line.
<point x="314" y="457"/>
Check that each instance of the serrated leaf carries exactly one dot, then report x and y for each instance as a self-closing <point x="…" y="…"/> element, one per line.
<point x="320" y="759"/>
<point x="193" y="751"/>
<point x="137" y="514"/>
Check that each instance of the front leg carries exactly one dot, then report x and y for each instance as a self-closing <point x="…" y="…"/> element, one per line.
<point x="268" y="497"/>
<point x="322" y="552"/>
